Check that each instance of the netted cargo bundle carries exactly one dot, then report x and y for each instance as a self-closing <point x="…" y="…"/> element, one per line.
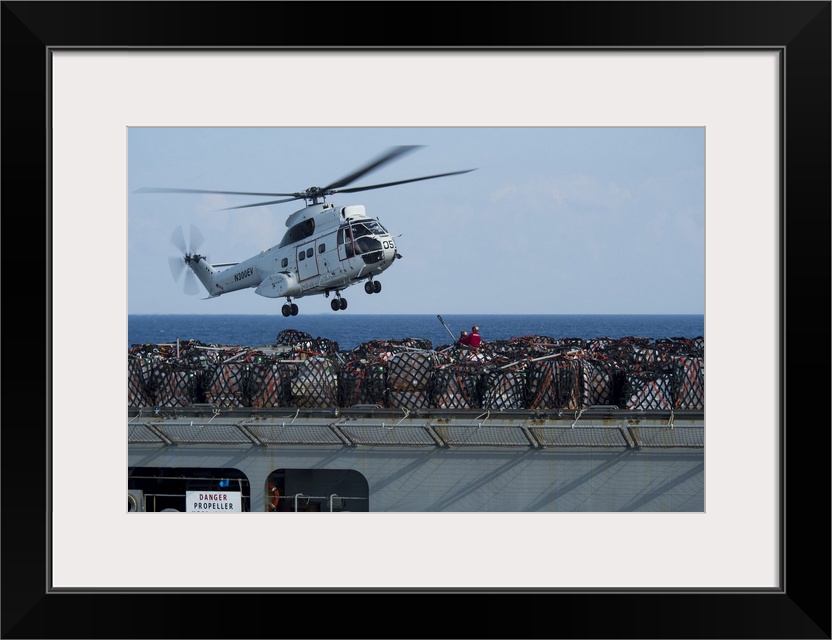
<point x="379" y="350"/>
<point x="557" y="383"/>
<point x="139" y="381"/>
<point x="421" y="344"/>
<point x="201" y="359"/>
<point x="506" y="351"/>
<point x="620" y="351"/>
<point x="578" y="343"/>
<point x="457" y="386"/>
<point x="385" y="349"/>
<point x="411" y="370"/>
<point x="297" y="340"/>
<point x="699" y="346"/>
<point x="269" y="383"/>
<point x="408" y="399"/>
<point x="535" y="344"/>
<point x="316" y="383"/>
<point x="225" y="384"/>
<point x="504" y="389"/>
<point x="647" y="356"/>
<point x="363" y="382"/>
<point x="675" y="346"/>
<point x="176" y="384"/>
<point x="689" y="383"/>
<point x="599" y="345"/>
<point x="604" y="380"/>
<point x="325" y="347"/>
<point x="648" y="389"/>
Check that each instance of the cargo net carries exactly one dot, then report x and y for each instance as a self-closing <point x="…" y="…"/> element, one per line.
<point x="411" y="370"/>
<point x="268" y="383"/>
<point x="689" y="383"/>
<point x="316" y="383"/>
<point x="457" y="386"/>
<point x="175" y="384"/>
<point x="648" y="389"/>
<point x="139" y="391"/>
<point x="530" y="372"/>
<point x="300" y="343"/>
<point x="385" y="349"/>
<point x="557" y="383"/>
<point x="506" y="351"/>
<point x="504" y="388"/>
<point x="604" y="380"/>
<point x="165" y="375"/>
<point x="363" y="382"/>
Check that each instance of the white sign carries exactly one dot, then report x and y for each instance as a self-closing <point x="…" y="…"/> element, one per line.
<point x="213" y="501"/>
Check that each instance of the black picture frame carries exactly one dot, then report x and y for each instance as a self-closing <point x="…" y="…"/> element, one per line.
<point x="799" y="608"/>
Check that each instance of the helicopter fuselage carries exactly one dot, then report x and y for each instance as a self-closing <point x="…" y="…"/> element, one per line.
<point x="325" y="249"/>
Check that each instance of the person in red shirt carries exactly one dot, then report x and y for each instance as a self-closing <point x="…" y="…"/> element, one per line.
<point x="463" y="338"/>
<point x="474" y="338"/>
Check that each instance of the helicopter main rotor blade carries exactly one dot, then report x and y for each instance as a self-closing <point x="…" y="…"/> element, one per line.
<point x="312" y="193"/>
<point x="229" y="193"/>
<point x="391" y="184"/>
<point x="260" y="204"/>
<point x="391" y="155"/>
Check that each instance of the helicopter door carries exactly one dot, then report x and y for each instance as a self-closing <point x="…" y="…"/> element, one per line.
<point x="344" y="250"/>
<point x="307" y="261"/>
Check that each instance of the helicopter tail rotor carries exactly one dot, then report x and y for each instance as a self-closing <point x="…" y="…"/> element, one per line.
<point x="179" y="264"/>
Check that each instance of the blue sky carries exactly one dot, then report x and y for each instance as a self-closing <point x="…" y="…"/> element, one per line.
<point x="553" y="220"/>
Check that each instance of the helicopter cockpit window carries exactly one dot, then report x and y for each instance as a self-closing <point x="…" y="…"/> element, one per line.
<point x="372" y="226"/>
<point x="345" y="238"/>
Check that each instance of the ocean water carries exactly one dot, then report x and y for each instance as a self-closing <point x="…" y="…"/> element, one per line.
<point x="349" y="331"/>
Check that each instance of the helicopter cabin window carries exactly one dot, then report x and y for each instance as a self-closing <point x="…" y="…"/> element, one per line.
<point x="302" y="255"/>
<point x="321" y="248"/>
<point x="284" y="263"/>
<point x="298" y="232"/>
<point x="309" y="252"/>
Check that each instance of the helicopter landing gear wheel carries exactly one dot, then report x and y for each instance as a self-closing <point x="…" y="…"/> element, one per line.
<point x="376" y="287"/>
<point x="368" y="286"/>
<point x="289" y="309"/>
<point x="338" y="303"/>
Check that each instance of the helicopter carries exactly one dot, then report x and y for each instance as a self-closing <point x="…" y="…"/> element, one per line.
<point x="325" y="250"/>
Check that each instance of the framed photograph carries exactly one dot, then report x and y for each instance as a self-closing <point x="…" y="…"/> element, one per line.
<point x="754" y="75"/>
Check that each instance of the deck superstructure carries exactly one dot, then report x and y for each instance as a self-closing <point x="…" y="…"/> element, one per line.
<point x="374" y="459"/>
